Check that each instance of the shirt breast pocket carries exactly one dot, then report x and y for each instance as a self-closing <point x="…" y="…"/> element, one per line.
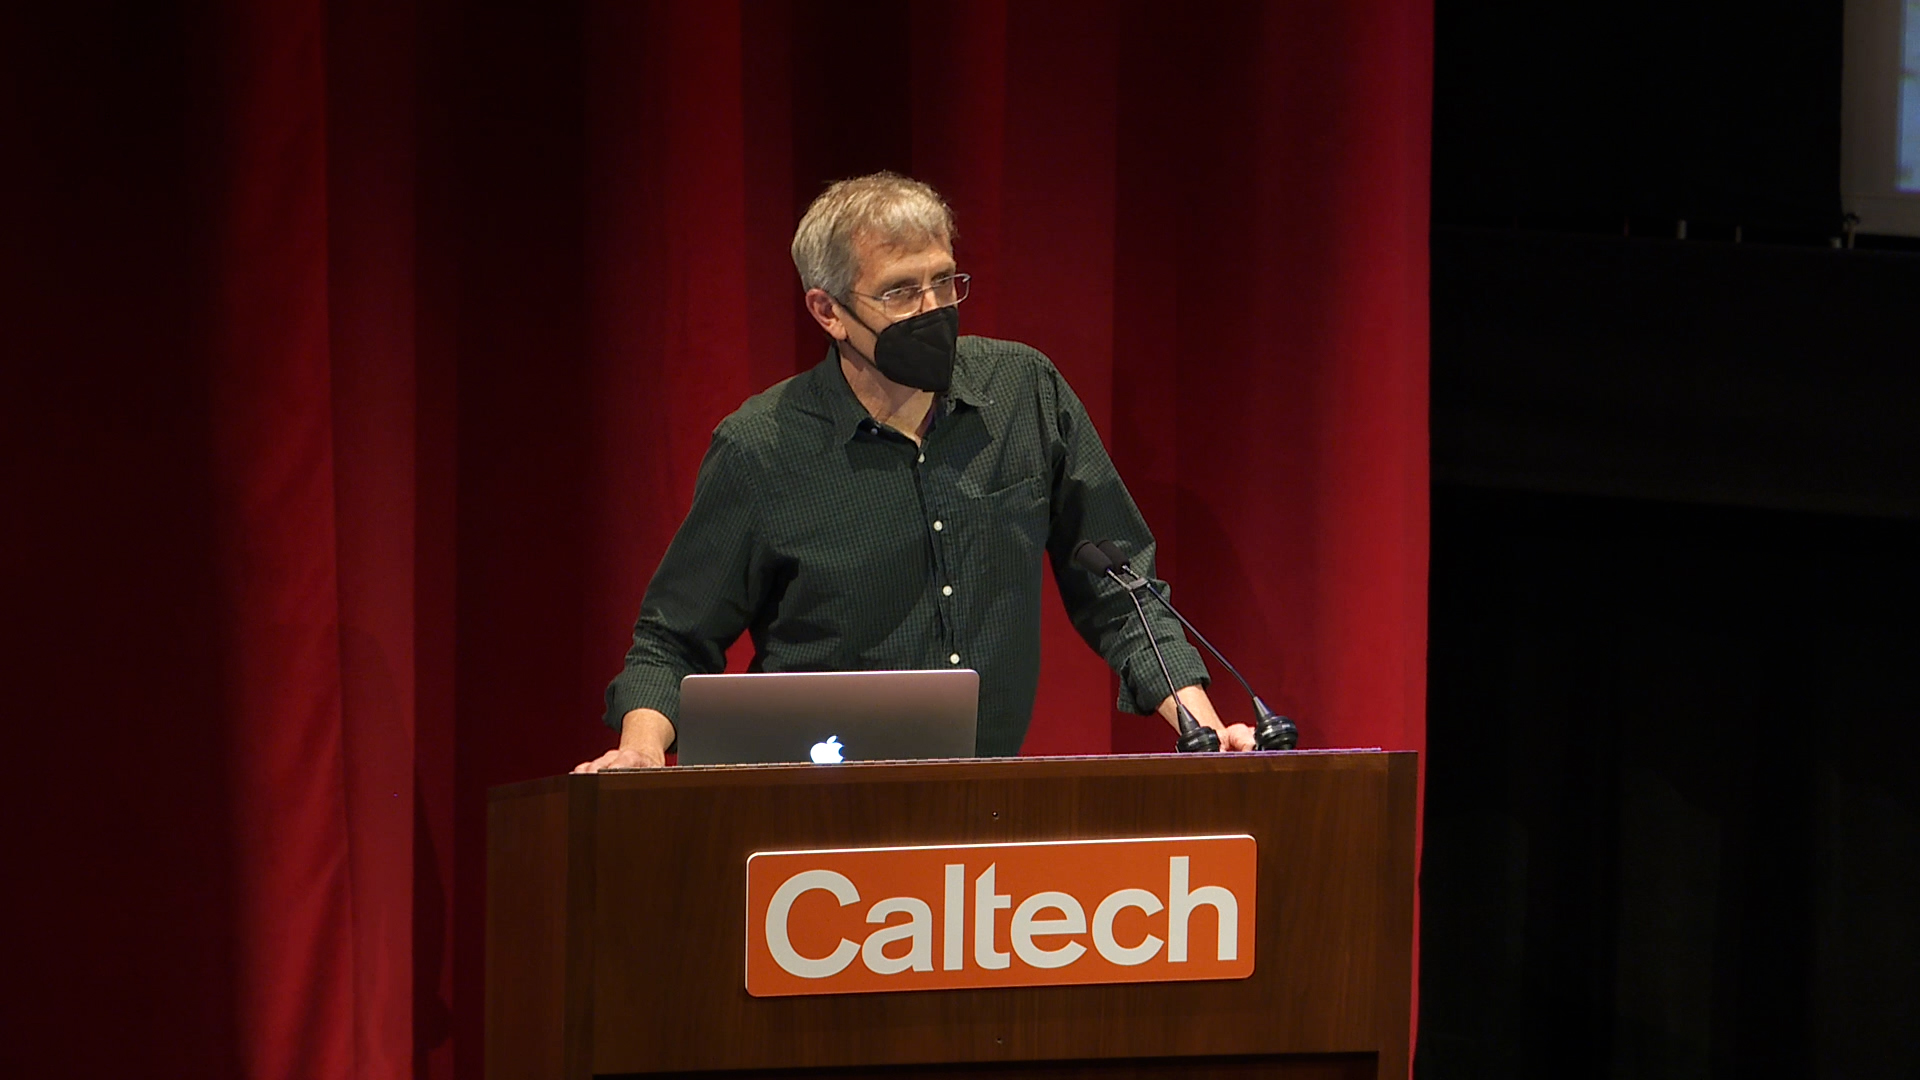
<point x="1011" y="522"/>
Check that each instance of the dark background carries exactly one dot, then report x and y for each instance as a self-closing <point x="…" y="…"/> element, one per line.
<point x="1671" y="821"/>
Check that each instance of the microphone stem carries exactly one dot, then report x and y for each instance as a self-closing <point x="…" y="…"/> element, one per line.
<point x="1191" y="629"/>
<point x="1187" y="722"/>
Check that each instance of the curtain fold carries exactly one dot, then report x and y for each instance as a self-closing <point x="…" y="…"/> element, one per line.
<point x="272" y="465"/>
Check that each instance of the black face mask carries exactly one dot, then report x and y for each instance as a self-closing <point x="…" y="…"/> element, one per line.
<point x="918" y="352"/>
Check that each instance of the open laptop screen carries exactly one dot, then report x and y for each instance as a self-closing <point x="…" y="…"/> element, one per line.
<point x="828" y="716"/>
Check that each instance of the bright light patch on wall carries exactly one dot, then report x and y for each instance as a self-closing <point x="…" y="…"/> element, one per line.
<point x="1909" y="176"/>
<point x="1880" y="116"/>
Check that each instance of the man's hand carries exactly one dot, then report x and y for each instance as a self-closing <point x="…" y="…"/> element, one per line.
<point x="1232" y="736"/>
<point x="622" y="758"/>
<point x="645" y="735"/>
<point x="1236" y="737"/>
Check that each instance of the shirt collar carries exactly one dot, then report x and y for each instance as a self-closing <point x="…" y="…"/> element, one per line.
<point x="834" y="401"/>
<point x="969" y="382"/>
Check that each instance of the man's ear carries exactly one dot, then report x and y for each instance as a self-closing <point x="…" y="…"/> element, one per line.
<point x="822" y="308"/>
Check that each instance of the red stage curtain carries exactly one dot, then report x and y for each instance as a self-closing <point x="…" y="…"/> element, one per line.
<point x="359" y="357"/>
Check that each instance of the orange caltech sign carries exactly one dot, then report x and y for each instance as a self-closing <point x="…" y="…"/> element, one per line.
<point x="860" y="920"/>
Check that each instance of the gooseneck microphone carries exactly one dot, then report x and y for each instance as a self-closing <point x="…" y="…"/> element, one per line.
<point x="1195" y="737"/>
<point x="1271" y="731"/>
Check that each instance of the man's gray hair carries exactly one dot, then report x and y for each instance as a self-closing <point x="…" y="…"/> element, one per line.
<point x="890" y="208"/>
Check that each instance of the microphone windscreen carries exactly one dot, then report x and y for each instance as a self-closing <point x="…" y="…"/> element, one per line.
<point x="1088" y="556"/>
<point x="1115" y="557"/>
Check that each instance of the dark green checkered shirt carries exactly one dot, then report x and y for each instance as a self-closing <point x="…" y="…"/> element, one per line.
<point x="840" y="545"/>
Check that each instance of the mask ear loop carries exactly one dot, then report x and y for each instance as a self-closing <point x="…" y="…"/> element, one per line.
<point x="848" y="308"/>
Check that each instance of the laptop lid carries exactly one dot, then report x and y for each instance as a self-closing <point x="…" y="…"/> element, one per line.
<point x="828" y="716"/>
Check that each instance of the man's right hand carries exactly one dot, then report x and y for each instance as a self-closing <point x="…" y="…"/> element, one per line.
<point x="645" y="735"/>
<point x="623" y="758"/>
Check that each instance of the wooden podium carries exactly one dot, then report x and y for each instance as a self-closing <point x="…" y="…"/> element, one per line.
<point x="617" y="920"/>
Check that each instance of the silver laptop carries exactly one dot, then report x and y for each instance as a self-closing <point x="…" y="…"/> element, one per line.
<point x="828" y="717"/>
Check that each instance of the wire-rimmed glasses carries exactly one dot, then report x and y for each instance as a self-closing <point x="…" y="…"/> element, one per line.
<point x="904" y="301"/>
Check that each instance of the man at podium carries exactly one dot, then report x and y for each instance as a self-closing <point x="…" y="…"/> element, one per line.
<point x="891" y="507"/>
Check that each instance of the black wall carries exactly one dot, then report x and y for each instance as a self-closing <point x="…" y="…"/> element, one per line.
<point x="1672" y="821"/>
<point x="1673" y="787"/>
<point x="1750" y="374"/>
<point x="1594" y="113"/>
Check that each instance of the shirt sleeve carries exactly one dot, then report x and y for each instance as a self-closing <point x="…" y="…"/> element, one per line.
<point x="1090" y="503"/>
<point x="703" y="594"/>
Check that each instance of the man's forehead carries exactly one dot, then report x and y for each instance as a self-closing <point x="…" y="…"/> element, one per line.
<point x="874" y="249"/>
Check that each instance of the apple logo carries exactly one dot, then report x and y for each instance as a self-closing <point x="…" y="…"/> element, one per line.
<point x="826" y="753"/>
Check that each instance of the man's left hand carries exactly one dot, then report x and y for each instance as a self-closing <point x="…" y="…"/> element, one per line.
<point x="1236" y="737"/>
<point x="1232" y="736"/>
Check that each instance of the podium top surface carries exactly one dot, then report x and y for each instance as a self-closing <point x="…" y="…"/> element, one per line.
<point x="960" y="769"/>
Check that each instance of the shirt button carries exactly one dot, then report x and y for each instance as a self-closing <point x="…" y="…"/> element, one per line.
<point x="946" y="590"/>
<point x="923" y="459"/>
<point x="937" y="526"/>
<point x="954" y="659"/>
